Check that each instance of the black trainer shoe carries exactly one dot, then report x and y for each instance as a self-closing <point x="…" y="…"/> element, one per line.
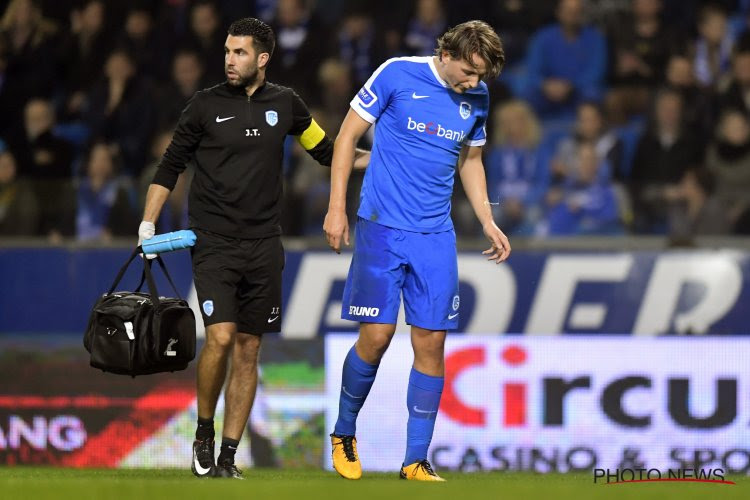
<point x="203" y="458"/>
<point x="228" y="469"/>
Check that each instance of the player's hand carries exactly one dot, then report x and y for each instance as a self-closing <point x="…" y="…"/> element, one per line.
<point x="500" y="249"/>
<point x="336" y="227"/>
<point x="146" y="231"/>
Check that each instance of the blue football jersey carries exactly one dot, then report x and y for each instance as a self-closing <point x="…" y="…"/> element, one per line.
<point x="421" y="126"/>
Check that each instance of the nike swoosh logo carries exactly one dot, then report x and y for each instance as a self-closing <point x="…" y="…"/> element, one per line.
<point x="451" y="316"/>
<point x="271" y="320"/>
<point x="219" y="120"/>
<point x="417" y="410"/>
<point x="343" y="388"/>
<point x="200" y="470"/>
<point x="415" y="96"/>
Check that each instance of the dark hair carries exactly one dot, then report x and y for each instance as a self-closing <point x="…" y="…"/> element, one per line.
<point x="710" y="9"/>
<point x="263" y="37"/>
<point x="474" y="37"/>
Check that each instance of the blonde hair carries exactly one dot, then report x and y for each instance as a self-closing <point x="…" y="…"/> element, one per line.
<point x="474" y="37"/>
<point x="533" y="131"/>
<point x="41" y="26"/>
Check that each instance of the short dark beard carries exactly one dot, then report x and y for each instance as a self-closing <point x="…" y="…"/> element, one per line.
<point x="247" y="81"/>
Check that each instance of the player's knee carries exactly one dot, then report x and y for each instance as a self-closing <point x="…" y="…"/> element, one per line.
<point x="219" y="338"/>
<point x="374" y="345"/>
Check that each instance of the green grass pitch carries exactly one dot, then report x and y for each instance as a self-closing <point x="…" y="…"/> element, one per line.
<point x="27" y="483"/>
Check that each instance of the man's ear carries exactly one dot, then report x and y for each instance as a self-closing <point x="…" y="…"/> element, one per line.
<point x="263" y="58"/>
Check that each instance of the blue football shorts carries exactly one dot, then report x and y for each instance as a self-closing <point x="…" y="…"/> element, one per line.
<point x="389" y="262"/>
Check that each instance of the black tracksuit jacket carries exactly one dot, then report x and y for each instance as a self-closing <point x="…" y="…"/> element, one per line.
<point x="237" y="144"/>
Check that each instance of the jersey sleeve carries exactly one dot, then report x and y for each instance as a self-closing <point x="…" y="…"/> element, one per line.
<point x="373" y="97"/>
<point x="309" y="134"/>
<point x="187" y="136"/>
<point x="478" y="134"/>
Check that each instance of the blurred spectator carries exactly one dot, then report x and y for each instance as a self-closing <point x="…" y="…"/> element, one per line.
<point x="693" y="209"/>
<point x="713" y="47"/>
<point x="84" y="53"/>
<point x="26" y="39"/>
<point x="603" y="13"/>
<point x="9" y="100"/>
<point x="359" y="44"/>
<point x="334" y="75"/>
<point x="19" y="209"/>
<point x="103" y="207"/>
<point x="265" y="9"/>
<point x="517" y="179"/>
<point x="306" y="192"/>
<point x="728" y="159"/>
<point x="586" y="203"/>
<point x="206" y="37"/>
<point x="591" y="127"/>
<point x="173" y="16"/>
<point x="566" y="63"/>
<point x="639" y="46"/>
<point x="298" y="51"/>
<point x="662" y="156"/>
<point x="186" y="79"/>
<point x="516" y="21"/>
<point x="141" y="39"/>
<point x="44" y="160"/>
<point x="174" y="214"/>
<point x="39" y="153"/>
<point x="120" y="110"/>
<point x="680" y="76"/>
<point x="734" y="92"/>
<point x="424" y="28"/>
<point x="307" y="186"/>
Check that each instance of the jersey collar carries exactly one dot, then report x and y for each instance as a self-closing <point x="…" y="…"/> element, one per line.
<point x="442" y="82"/>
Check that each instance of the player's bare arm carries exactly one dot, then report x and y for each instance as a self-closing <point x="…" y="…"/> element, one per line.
<point x="155" y="198"/>
<point x="471" y="170"/>
<point x="336" y="225"/>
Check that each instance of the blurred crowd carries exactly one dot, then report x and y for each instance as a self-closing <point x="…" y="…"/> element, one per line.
<point x="612" y="117"/>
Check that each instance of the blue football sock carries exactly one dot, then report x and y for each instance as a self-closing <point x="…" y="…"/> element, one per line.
<point x="423" y="400"/>
<point x="356" y="381"/>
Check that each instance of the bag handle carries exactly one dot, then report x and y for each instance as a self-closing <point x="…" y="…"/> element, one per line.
<point x="146" y="274"/>
<point x="166" y="273"/>
<point x="122" y="271"/>
<point x="150" y="280"/>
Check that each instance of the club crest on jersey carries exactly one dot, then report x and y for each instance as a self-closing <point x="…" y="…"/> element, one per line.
<point x="208" y="307"/>
<point x="465" y="110"/>
<point x="272" y="117"/>
<point x="456" y="302"/>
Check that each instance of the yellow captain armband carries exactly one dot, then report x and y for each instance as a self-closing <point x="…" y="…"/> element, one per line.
<point x="312" y="136"/>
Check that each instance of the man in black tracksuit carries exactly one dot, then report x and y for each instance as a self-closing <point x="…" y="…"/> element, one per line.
<point x="235" y="133"/>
